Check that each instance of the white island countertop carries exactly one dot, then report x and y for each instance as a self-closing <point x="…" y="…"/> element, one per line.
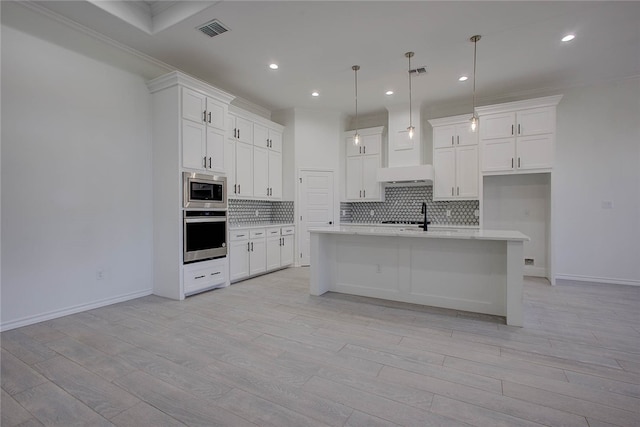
<point x="412" y="231"/>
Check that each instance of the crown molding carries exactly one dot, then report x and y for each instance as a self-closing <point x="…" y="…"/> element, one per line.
<point x="94" y="34"/>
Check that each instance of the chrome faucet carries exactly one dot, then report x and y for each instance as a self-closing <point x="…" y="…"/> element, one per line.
<point x="424" y="211"/>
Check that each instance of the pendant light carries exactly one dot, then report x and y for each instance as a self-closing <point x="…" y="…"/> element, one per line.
<point x="411" y="129"/>
<point x="356" y="137"/>
<point x="474" y="117"/>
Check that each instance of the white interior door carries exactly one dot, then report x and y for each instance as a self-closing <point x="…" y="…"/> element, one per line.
<point x="315" y="195"/>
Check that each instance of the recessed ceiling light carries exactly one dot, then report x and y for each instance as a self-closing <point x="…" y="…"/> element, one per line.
<point x="568" y="38"/>
<point x="389" y="92"/>
<point x="273" y="66"/>
<point x="463" y="78"/>
<point x="315" y="93"/>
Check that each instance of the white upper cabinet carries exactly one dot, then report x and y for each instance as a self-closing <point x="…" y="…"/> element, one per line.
<point x="362" y="162"/>
<point x="518" y="137"/>
<point x="455" y="159"/>
<point x="202" y="132"/>
<point x="258" y="160"/>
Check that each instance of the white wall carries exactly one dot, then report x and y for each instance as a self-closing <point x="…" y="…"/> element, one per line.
<point x="521" y="202"/>
<point x="598" y="160"/>
<point x="76" y="182"/>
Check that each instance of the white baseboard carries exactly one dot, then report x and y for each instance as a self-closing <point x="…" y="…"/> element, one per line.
<point x="594" y="279"/>
<point x="534" y="271"/>
<point x="30" y="320"/>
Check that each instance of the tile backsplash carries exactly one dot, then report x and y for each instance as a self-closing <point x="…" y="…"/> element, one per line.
<point x="405" y="203"/>
<point x="244" y="212"/>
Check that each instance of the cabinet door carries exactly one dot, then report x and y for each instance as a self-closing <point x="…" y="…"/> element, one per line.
<point x="370" y="186"/>
<point x="244" y="169"/>
<point x="444" y="170"/>
<point x="260" y="136"/>
<point x="230" y="166"/>
<point x="498" y="155"/>
<point x="500" y="125"/>
<point x="444" y="136"/>
<point x="215" y="149"/>
<point x="536" y="121"/>
<point x="352" y="148"/>
<point x="244" y="130"/>
<point x="238" y="259"/>
<point x="275" y="174"/>
<point x="465" y="136"/>
<point x="371" y="144"/>
<point x="193" y="145"/>
<point x="276" y="140"/>
<point x="193" y="105"/>
<point x="467" y="172"/>
<point x="286" y="250"/>
<point x="534" y="152"/>
<point x="354" y="178"/>
<point x="273" y="252"/>
<point x="260" y="171"/>
<point x="258" y="256"/>
<point x="216" y="114"/>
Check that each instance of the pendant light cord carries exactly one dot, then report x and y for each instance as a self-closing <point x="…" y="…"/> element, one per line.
<point x="410" y="115"/>
<point x="475" y="46"/>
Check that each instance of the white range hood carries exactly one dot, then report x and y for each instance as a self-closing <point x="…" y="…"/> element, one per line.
<point x="404" y="155"/>
<point x="418" y="174"/>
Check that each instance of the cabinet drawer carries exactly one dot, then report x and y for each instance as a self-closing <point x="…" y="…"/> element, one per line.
<point x="204" y="275"/>
<point x="257" y="233"/>
<point x="286" y="231"/>
<point x="271" y="232"/>
<point x="238" y="235"/>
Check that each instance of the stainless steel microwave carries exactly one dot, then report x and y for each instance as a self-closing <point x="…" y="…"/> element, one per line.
<point x="202" y="191"/>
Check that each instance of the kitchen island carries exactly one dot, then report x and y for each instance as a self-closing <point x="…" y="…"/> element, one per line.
<point x="470" y="270"/>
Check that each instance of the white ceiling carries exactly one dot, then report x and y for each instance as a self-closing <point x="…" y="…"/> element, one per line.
<point x="315" y="44"/>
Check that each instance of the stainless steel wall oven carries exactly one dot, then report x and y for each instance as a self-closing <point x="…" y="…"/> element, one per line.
<point x="205" y="235"/>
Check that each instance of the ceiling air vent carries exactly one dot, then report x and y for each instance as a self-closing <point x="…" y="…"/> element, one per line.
<point x="213" y="28"/>
<point x="418" y="71"/>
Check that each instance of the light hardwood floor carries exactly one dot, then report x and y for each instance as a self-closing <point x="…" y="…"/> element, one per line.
<point x="264" y="352"/>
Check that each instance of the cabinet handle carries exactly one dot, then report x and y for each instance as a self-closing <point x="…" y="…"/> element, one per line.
<point x="359" y="150"/>
<point x="234" y="188"/>
<point x="457" y="191"/>
<point x="238" y="188"/>
<point x="205" y="162"/>
<point x="251" y="246"/>
<point x="238" y="133"/>
<point x="209" y="162"/>
<point x="239" y="235"/>
<point x="452" y="191"/>
<point x="235" y="134"/>
<point x="360" y="193"/>
<point x="364" y="194"/>
<point x="271" y="191"/>
<point x="364" y="150"/>
<point x="217" y="272"/>
<point x="209" y="116"/>
<point x="204" y="116"/>
<point x="257" y="234"/>
<point x="511" y="129"/>
<point x="267" y="191"/>
<point x="199" y="277"/>
<point x="518" y="162"/>
<point x="458" y="137"/>
<point x="518" y="128"/>
<point x="512" y="163"/>
<point x="451" y="139"/>
<point x="248" y="246"/>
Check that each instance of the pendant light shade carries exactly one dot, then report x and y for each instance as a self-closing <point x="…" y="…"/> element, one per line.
<point x="410" y="129"/>
<point x="474" y="117"/>
<point x="356" y="136"/>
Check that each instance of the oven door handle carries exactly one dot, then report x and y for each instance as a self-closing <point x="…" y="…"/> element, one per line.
<point x="207" y="219"/>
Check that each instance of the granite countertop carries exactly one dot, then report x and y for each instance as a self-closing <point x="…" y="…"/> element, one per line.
<point x="412" y="231"/>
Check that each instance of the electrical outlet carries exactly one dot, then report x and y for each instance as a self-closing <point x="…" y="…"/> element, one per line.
<point x="476" y="213"/>
<point x="528" y="261"/>
<point x="344" y="212"/>
<point x="448" y="213"/>
<point x="372" y="213"/>
<point x="100" y="274"/>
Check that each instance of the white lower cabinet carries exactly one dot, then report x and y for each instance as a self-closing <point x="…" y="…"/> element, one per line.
<point x="204" y="275"/>
<point x="258" y="250"/>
